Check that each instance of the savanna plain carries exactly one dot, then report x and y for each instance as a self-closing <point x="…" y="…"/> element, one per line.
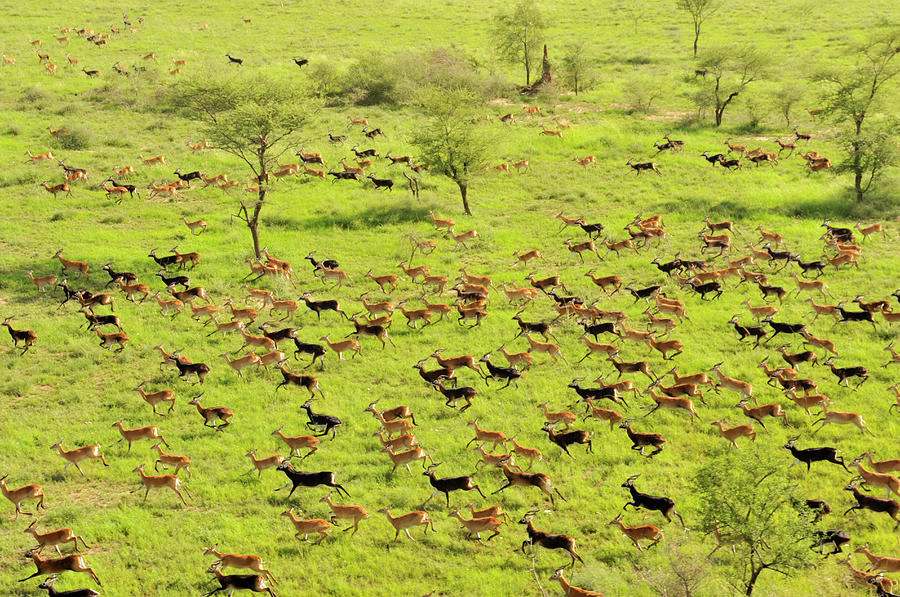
<point x="638" y="82"/>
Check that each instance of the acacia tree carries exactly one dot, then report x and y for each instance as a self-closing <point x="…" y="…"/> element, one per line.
<point x="576" y="67"/>
<point x="519" y="35"/>
<point x="729" y="71"/>
<point x="853" y="95"/>
<point x="699" y="11"/>
<point x="254" y="118"/>
<point x="751" y="501"/>
<point x="450" y="142"/>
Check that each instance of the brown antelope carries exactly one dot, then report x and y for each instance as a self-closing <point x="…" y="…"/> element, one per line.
<point x="476" y="526"/>
<point x="17" y="496"/>
<point x="518" y="295"/>
<point x="732" y="433"/>
<point x="618" y="246"/>
<point x="234" y="560"/>
<point x="521" y="165"/>
<point x="866" y="231"/>
<point x="247" y="314"/>
<point x="352" y="513"/>
<point x="397" y="443"/>
<point x="382" y="281"/>
<point x="78" y="455"/>
<point x="55" y="538"/>
<point x="385" y="307"/>
<point x="823" y="309"/>
<point x="154" y="160"/>
<point x="883" y="466"/>
<point x="809" y="401"/>
<point x="41" y="282"/>
<point x="457" y="362"/>
<point x="441" y="223"/>
<point x="741" y="387"/>
<point x="895" y="356"/>
<point x="298" y="442"/>
<point x="57" y="188"/>
<point x="462" y="237"/>
<point x="760" y="412"/>
<point x="811" y="286"/>
<point x="133" y="289"/>
<point x="261" y="464"/>
<point x="636" y="534"/>
<point x="404" y="458"/>
<point x="241" y="363"/>
<point x="551" y="132"/>
<point x="414" y="316"/>
<point x="760" y="312"/>
<point x="521" y="451"/>
<point x="486" y="437"/>
<point x="107" y="340"/>
<point x="671" y="403"/>
<point x="665" y="347"/>
<point x="196" y="227"/>
<point x="546" y="347"/>
<point x="876" y="479"/>
<point x="39" y="157"/>
<point x="568" y="589"/>
<point x="342" y="346"/>
<point x="73" y="562"/>
<point x="158" y="482"/>
<point x="842" y="418"/>
<point x="585" y="161"/>
<point x="212" y="414"/>
<point x="208" y="311"/>
<point x="602" y="414"/>
<point x="179" y="462"/>
<point x="877" y="563"/>
<point x="138" y="433"/>
<point x="289" y="308"/>
<point x="737" y="148"/>
<point x="520" y="360"/>
<point x="565" y="417"/>
<point x="413" y="272"/>
<point x="407" y="521"/>
<point x="823" y="343"/>
<point x="598" y="348"/>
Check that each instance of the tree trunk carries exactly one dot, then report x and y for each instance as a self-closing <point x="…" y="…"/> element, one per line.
<point x="464" y="193"/>
<point x="527" y="65"/>
<point x="857" y="183"/>
<point x="720" y="108"/>
<point x="696" y="38"/>
<point x="253" y="220"/>
<point x="751" y="583"/>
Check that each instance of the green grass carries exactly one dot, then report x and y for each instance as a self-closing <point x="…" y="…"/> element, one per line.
<point x="66" y="387"/>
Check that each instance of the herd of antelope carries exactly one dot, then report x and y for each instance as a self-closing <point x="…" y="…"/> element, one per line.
<point x="760" y="264"/>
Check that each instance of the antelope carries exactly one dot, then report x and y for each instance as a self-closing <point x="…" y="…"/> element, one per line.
<point x="760" y="412"/>
<point x="895" y="356"/>
<point x="195" y="225"/>
<point x="733" y="433"/>
<point x="684" y="404"/>
<point x="803" y="136"/>
<point x="731" y="383"/>
<point x="334" y="274"/>
<point x="441" y="223"/>
<point x="179" y="462"/>
<point x="439" y="308"/>
<point x="342" y="346"/>
<point x="618" y="246"/>
<point x="208" y="311"/>
<point x="585" y="161"/>
<point x="568" y="589"/>
<point x="42" y="282"/>
<point x="397" y="443"/>
<point x="546" y="347"/>
<point x="760" y="312"/>
<point x="382" y="281"/>
<point x="353" y="513"/>
<point x="239" y="561"/>
<point x="39" y="157"/>
<point x="531" y="454"/>
<point x="823" y="309"/>
<point x="871" y="229"/>
<point x="565" y="417"/>
<point x="154" y="160"/>
<point x="133" y="289"/>
<point x="407" y="521"/>
<point x="811" y="286"/>
<point x="55" y="538"/>
<point x="255" y="341"/>
<point x="259" y="465"/>
<point x="579" y="248"/>
<point x="107" y="340"/>
<point x="636" y="534"/>
<point x="374" y="308"/>
<point x="462" y="237"/>
<point x="138" y="433"/>
<point x="210" y="415"/>
<point x="26" y="492"/>
<point x="664" y="347"/>
<point x="551" y="132"/>
<point x="808" y="401"/>
<point x="241" y="363"/>
<point x="413" y="272"/>
<point x="843" y="418"/>
<point x="476" y="526"/>
<point x="523" y="359"/>
<point x="486" y="437"/>
<point x="74" y="562"/>
<point x="158" y="482"/>
<point x="298" y="442"/>
<point x="876" y="479"/>
<point x="306" y="526"/>
<point x="788" y="145"/>
<point x="155" y="398"/>
<point x="883" y="466"/>
<point x="408" y="456"/>
<point x="539" y="480"/>
<point x="641" y="166"/>
<point x="598" y="348"/>
<point x="457" y="362"/>
<point x="824" y="343"/>
<point x="56" y="189"/>
<point x="671" y="307"/>
<point x="606" y="281"/>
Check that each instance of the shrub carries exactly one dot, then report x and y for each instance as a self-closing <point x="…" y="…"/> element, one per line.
<point x="73" y="137"/>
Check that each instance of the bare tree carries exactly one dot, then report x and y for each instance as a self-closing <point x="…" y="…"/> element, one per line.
<point x="787" y="96"/>
<point x="853" y="95"/>
<point x="253" y="118"/>
<point x="699" y="10"/>
<point x="519" y="35"/>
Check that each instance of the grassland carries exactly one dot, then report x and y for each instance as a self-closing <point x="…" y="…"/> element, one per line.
<point x="67" y="387"/>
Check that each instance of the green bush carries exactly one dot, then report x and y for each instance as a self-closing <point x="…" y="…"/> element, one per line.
<point x="73" y="137"/>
